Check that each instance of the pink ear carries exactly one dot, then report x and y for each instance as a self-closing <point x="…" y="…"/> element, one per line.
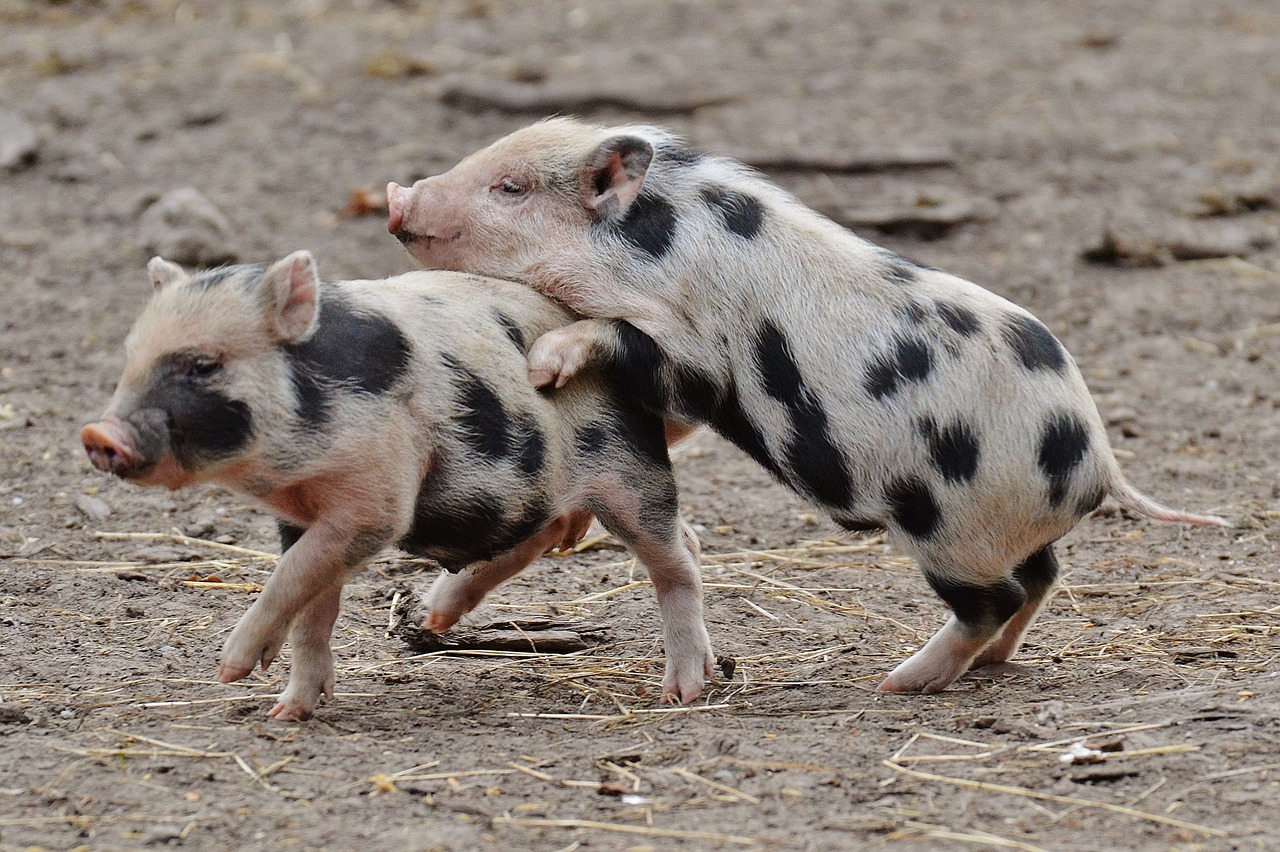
<point x="292" y="293"/>
<point x="613" y="174"/>
<point x="163" y="272"/>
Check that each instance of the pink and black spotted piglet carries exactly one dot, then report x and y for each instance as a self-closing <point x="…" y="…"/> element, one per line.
<point x="892" y="394"/>
<point x="371" y="414"/>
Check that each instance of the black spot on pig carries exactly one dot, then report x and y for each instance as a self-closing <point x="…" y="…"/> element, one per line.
<point x="909" y="361"/>
<point x="679" y="155"/>
<point x="983" y="607"/>
<point x="913" y="508"/>
<point x="209" y="279"/>
<point x="649" y="225"/>
<point x="640" y="369"/>
<point x="812" y="454"/>
<point x="514" y="333"/>
<point x="531" y="447"/>
<point x="352" y="350"/>
<point x="960" y="319"/>
<point x="289" y="535"/>
<point x="742" y="214"/>
<point x="953" y="448"/>
<point x="1091" y="500"/>
<point x="1062" y="447"/>
<point x="1037" y="572"/>
<point x="592" y="440"/>
<point x="456" y="530"/>
<point x="1034" y="345"/>
<point x="483" y="422"/>
<point x="901" y="270"/>
<point x="200" y="423"/>
<point x="860" y="525"/>
<point x="914" y="313"/>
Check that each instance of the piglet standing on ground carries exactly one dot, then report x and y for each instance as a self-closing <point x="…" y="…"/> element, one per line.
<point x="366" y="414"/>
<point x="894" y="395"/>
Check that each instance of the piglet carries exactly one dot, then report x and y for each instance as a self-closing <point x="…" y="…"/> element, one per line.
<point x="370" y="414"/>
<point x="891" y="394"/>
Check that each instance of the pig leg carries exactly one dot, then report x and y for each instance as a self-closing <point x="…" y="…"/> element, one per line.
<point x="555" y="357"/>
<point x="454" y="595"/>
<point x="667" y="547"/>
<point x="980" y="612"/>
<point x="319" y="558"/>
<point x="1037" y="574"/>
<point x="311" y="675"/>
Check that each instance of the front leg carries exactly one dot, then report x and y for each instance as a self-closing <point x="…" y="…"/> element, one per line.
<point x="311" y="675"/>
<point x="319" y="559"/>
<point x="561" y="353"/>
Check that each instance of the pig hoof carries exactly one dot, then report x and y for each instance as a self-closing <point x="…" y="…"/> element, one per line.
<point x="684" y="683"/>
<point x="228" y="673"/>
<point x="439" y="622"/>
<point x="911" y="682"/>
<point x="291" y="710"/>
<point x="556" y="357"/>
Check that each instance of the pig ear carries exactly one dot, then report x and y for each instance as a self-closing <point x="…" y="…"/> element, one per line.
<point x="291" y="291"/>
<point x="613" y="174"/>
<point x="163" y="272"/>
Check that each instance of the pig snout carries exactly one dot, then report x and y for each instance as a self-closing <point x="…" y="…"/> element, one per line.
<point x="397" y="195"/>
<point x="110" y="447"/>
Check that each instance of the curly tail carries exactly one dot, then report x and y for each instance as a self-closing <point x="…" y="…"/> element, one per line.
<point x="1135" y="501"/>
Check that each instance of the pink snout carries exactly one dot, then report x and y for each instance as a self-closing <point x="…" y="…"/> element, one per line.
<point x="397" y="195"/>
<point x="109" y="446"/>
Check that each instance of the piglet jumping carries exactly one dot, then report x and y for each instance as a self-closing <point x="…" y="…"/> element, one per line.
<point x="366" y="414"/>
<point x="892" y="394"/>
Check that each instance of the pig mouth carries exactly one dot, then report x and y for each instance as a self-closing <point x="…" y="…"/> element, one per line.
<point x="428" y="241"/>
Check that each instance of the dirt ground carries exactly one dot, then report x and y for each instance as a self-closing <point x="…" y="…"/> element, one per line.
<point x="1112" y="166"/>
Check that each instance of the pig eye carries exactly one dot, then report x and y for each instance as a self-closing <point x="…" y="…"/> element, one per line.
<point x="510" y="186"/>
<point x="201" y="368"/>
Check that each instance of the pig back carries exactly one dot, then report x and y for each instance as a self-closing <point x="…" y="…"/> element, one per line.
<point x="501" y="459"/>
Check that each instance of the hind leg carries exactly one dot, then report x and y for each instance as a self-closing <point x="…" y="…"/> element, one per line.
<point x="979" y="614"/>
<point x="454" y="595"/>
<point x="669" y="550"/>
<point x="1037" y="575"/>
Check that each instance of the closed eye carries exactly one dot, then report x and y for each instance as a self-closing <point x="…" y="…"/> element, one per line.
<point x="510" y="186"/>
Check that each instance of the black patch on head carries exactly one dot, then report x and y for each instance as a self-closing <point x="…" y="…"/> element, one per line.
<point x="982" y="609"/>
<point x="910" y="360"/>
<point x="649" y="224"/>
<point x="1037" y="572"/>
<point x="913" y="508"/>
<point x="1062" y="447"/>
<point x="187" y="411"/>
<point x="484" y="423"/>
<point x="211" y="278"/>
<point x="741" y="213"/>
<point x="406" y="237"/>
<point x="678" y="155"/>
<point x="953" y="448"/>
<point x="289" y="535"/>
<point x="812" y="455"/>
<point x="1035" y="346"/>
<point x="352" y="350"/>
<point x="961" y="320"/>
<point x="514" y="333"/>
